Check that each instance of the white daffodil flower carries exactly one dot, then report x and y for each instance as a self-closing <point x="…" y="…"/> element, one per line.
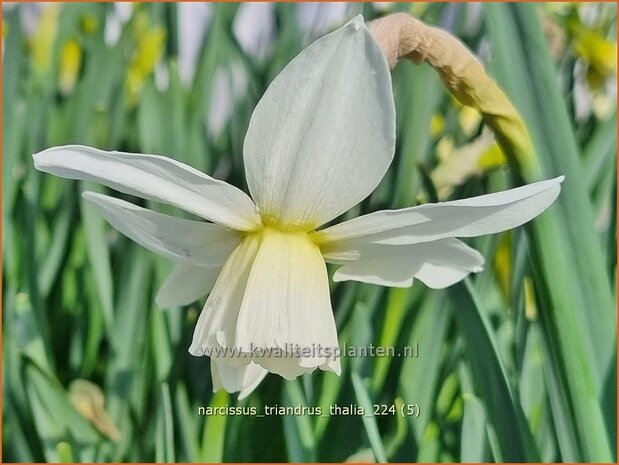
<point x="319" y="142"/>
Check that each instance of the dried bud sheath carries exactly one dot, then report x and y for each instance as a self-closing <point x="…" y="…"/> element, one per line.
<point x="402" y="36"/>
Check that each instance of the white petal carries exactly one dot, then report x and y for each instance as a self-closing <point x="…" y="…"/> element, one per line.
<point x="323" y="134"/>
<point x="191" y="242"/>
<point x="186" y="284"/>
<point x="441" y="276"/>
<point x="233" y="379"/>
<point x="287" y="306"/>
<point x="290" y="366"/>
<point x="438" y="264"/>
<point x="216" y="325"/>
<point x="476" y="216"/>
<point x="155" y="178"/>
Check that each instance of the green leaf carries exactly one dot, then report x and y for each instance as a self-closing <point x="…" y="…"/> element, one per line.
<point x="186" y="424"/>
<point x="56" y="419"/>
<point x="330" y="389"/>
<point x="534" y="395"/>
<point x="300" y="440"/>
<point x="27" y="336"/>
<point x="524" y="66"/>
<point x="502" y="406"/>
<point x="473" y="439"/>
<point x="214" y="433"/>
<point x="164" y="446"/>
<point x="369" y="421"/>
<point x="599" y="150"/>
<point x="98" y="255"/>
<point x="129" y="371"/>
<point x="563" y="238"/>
<point x="61" y="230"/>
<point x="429" y="332"/>
<point x="417" y="92"/>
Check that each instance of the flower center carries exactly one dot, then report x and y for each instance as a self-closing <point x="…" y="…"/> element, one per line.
<point x="296" y="226"/>
<point x="284" y="235"/>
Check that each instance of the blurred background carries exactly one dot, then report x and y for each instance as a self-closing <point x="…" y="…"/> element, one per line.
<point x="94" y="371"/>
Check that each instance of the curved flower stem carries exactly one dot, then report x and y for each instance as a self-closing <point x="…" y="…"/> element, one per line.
<point x="402" y="36"/>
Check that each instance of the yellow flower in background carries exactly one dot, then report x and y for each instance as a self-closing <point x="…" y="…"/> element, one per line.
<point x="89" y="24"/>
<point x="42" y="40"/>
<point x="469" y="120"/>
<point x="70" y="64"/>
<point x="598" y="52"/>
<point x="437" y="124"/>
<point x="595" y="71"/>
<point x="458" y="164"/>
<point x="588" y="27"/>
<point x="319" y="142"/>
<point x="149" y="49"/>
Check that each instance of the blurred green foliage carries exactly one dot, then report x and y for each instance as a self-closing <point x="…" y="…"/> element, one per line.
<point x="516" y="364"/>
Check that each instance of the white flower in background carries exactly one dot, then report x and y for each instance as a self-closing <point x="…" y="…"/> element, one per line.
<point x="317" y="18"/>
<point x="194" y="19"/>
<point x="319" y="142"/>
<point x="115" y="20"/>
<point x="228" y="87"/>
<point x="383" y="7"/>
<point x="29" y="15"/>
<point x="254" y="28"/>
